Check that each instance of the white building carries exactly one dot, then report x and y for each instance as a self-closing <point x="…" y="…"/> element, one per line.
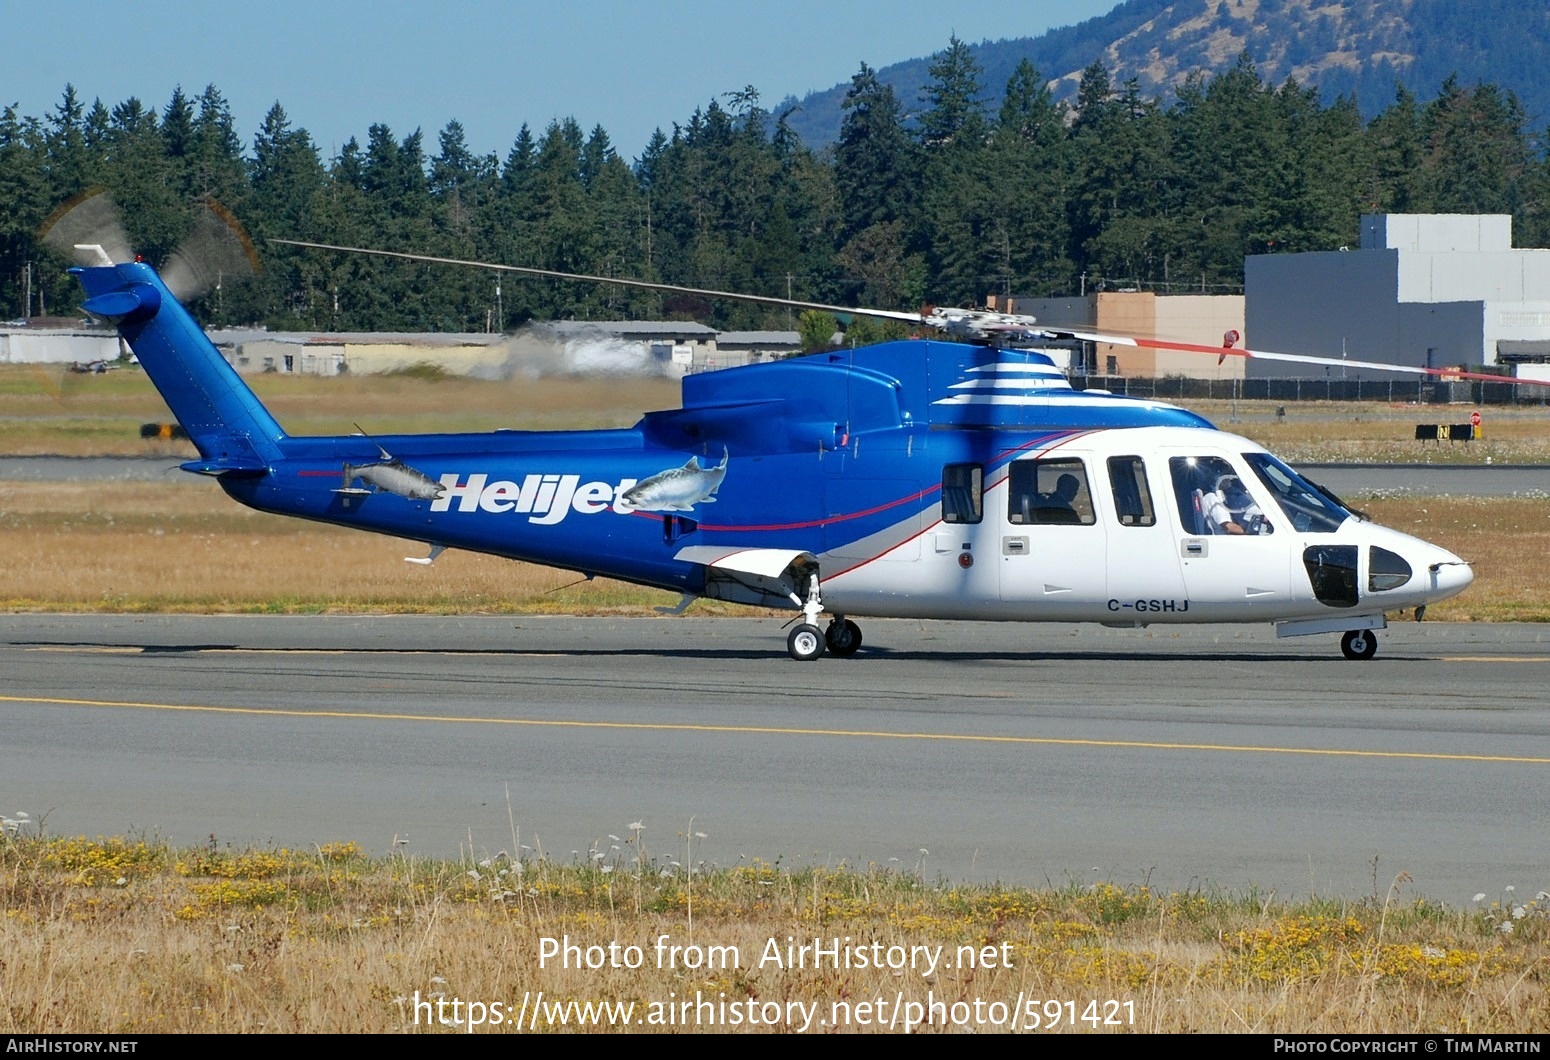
<point x="1431" y="290"/>
<point x="31" y="344"/>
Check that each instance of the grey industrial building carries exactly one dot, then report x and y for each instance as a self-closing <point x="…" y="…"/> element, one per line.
<point x="1428" y="290"/>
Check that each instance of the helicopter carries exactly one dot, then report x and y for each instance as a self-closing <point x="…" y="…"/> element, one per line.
<point x="915" y="478"/>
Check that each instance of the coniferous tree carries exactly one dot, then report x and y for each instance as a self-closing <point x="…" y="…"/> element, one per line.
<point x="1130" y="191"/>
<point x="1477" y="156"/>
<point x="287" y="187"/>
<point x="1396" y="146"/>
<point x="961" y="209"/>
<point x="954" y="111"/>
<point x="1125" y="185"/>
<point x="219" y="170"/>
<point x="877" y="177"/>
<point x="1234" y="176"/>
<point x="460" y="184"/>
<point x="177" y="133"/>
<point x="1329" y="160"/>
<point x="874" y="165"/>
<point x="139" y="175"/>
<point x="1030" y="168"/>
<point x="69" y="168"/>
<point x="24" y="203"/>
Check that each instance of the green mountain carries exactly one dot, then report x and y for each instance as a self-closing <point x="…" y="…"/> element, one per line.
<point x="1359" y="48"/>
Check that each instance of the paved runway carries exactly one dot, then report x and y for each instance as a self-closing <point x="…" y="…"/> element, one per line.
<point x="1182" y="757"/>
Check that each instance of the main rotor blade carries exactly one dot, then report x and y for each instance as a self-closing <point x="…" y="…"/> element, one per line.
<point x="1292" y="358"/>
<point x="670" y="288"/>
<point x="980" y="323"/>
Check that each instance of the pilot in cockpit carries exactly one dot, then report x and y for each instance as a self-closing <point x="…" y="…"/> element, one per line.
<point x="1229" y="509"/>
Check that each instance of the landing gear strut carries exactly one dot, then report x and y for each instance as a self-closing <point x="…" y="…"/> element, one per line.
<point x="1359" y="644"/>
<point x="807" y="642"/>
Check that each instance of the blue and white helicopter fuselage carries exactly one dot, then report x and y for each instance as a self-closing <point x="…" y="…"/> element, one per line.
<point x="920" y="479"/>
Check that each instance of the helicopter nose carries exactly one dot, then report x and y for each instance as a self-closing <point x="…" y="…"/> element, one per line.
<point x="1448" y="576"/>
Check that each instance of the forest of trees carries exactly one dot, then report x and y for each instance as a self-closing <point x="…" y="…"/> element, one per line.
<point x="960" y="201"/>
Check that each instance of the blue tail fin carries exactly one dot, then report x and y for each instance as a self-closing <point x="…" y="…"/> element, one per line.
<point x="225" y="420"/>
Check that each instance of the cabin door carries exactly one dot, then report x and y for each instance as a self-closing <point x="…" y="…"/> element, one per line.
<point x="1052" y="551"/>
<point x="1145" y="580"/>
<point x="1233" y="544"/>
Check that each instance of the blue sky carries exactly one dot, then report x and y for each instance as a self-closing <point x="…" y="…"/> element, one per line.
<point x="337" y="67"/>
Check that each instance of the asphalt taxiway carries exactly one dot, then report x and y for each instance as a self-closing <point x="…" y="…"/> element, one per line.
<point x="1176" y="756"/>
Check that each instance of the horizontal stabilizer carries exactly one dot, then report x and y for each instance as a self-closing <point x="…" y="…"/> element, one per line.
<point x="135" y="301"/>
<point x="226" y="467"/>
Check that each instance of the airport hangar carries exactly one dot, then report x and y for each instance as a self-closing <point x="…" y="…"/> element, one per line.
<point x="1430" y="290"/>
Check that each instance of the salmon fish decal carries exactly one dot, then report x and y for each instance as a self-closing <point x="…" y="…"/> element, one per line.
<point x="677" y="489"/>
<point x="394" y="476"/>
<point x="391" y="475"/>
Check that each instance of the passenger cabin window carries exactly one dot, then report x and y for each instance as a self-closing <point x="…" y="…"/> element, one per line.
<point x="1132" y="498"/>
<point x="963" y="493"/>
<point x="1051" y="492"/>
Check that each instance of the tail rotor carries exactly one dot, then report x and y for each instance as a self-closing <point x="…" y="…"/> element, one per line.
<point x="216" y="249"/>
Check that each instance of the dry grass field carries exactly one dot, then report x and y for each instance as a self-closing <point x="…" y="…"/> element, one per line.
<point x="126" y="936"/>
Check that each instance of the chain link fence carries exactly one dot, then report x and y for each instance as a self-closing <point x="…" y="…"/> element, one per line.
<point x="1388" y="391"/>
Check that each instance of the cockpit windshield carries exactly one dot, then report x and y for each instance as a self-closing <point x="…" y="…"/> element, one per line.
<point x="1308" y="510"/>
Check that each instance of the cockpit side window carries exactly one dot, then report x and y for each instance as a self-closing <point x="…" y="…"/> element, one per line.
<point x="1049" y="492"/>
<point x="963" y="493"/>
<point x="1132" y="497"/>
<point x="1212" y="499"/>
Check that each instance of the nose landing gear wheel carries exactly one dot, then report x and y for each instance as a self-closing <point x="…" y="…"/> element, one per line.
<point x="1359" y="644"/>
<point x="805" y="643"/>
<point x="843" y="637"/>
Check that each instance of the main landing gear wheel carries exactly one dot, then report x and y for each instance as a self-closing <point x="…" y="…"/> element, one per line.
<point x="805" y="643"/>
<point x="843" y="637"/>
<point x="1359" y="644"/>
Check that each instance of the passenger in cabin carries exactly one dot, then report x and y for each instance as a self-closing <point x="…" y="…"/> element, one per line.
<point x="1057" y="506"/>
<point x="1230" y="510"/>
